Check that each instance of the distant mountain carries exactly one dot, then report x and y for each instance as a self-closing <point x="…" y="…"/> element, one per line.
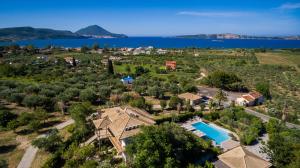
<point x="98" y="32"/>
<point x="237" y="36"/>
<point x="30" y="33"/>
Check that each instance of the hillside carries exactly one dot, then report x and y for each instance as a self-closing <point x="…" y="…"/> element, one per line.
<point x="97" y="31"/>
<point x="30" y="33"/>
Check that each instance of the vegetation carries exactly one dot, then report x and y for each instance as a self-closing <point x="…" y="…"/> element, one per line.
<point x="264" y="89"/>
<point x="248" y="127"/>
<point x="166" y="145"/>
<point x="223" y="80"/>
<point x="50" y="143"/>
<point x="283" y="145"/>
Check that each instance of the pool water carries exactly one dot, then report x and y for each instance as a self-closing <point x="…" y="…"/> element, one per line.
<point x="212" y="132"/>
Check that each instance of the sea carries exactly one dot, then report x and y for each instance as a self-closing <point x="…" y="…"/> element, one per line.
<point x="162" y="42"/>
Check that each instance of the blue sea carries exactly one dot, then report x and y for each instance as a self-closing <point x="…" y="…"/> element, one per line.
<point x="163" y="42"/>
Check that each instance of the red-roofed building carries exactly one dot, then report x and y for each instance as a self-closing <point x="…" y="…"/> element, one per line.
<point x="171" y="65"/>
<point x="250" y="99"/>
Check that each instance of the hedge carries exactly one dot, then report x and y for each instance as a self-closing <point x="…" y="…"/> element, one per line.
<point x="179" y="118"/>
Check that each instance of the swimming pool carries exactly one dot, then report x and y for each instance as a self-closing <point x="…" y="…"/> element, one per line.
<point x="212" y="132"/>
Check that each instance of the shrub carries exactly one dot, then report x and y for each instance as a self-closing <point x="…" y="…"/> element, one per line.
<point x="34" y="125"/>
<point x="180" y="117"/>
<point x="49" y="143"/>
<point x="6" y="117"/>
<point x="88" y="95"/>
<point x="24" y="118"/>
<point x="174" y="101"/>
<point x="264" y="89"/>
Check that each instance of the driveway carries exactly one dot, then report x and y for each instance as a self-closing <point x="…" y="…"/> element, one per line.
<point x="31" y="151"/>
<point x="211" y="92"/>
<point x="257" y="148"/>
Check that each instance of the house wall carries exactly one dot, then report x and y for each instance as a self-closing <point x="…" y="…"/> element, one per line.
<point x="240" y="102"/>
<point x="195" y="102"/>
<point x="123" y="143"/>
<point x="260" y="100"/>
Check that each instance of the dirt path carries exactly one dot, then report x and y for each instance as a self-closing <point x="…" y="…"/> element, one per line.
<point x="31" y="151"/>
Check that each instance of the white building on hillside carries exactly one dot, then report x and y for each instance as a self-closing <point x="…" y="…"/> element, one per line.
<point x="251" y="99"/>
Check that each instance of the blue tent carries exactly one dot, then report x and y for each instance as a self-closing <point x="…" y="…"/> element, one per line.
<point x="127" y="80"/>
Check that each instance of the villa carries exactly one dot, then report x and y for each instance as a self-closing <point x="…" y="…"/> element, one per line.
<point x="120" y="124"/>
<point x="192" y="98"/>
<point x="239" y="157"/>
<point x="251" y="99"/>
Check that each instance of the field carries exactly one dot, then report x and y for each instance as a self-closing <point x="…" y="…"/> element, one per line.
<point x="280" y="58"/>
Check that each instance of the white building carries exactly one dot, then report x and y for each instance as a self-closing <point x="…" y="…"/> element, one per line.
<point x="251" y="99"/>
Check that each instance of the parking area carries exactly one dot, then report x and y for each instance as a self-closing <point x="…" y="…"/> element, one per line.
<point x="211" y="92"/>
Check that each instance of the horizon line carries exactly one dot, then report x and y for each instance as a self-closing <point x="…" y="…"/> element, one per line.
<point x="161" y="35"/>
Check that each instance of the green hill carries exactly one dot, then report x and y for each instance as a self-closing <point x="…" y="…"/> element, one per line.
<point x="97" y="31"/>
<point x="29" y="33"/>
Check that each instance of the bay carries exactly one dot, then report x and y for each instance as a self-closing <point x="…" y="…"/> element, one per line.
<point x="162" y="42"/>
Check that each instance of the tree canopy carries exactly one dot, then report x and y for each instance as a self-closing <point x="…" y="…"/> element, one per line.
<point x="224" y="80"/>
<point x="166" y="145"/>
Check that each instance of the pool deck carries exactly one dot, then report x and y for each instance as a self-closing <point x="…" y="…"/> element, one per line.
<point x="226" y="145"/>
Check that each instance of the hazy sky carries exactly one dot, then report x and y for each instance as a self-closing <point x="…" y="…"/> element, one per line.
<point x="157" y="17"/>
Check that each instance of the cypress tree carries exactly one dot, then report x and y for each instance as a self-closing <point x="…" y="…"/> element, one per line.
<point x="110" y="67"/>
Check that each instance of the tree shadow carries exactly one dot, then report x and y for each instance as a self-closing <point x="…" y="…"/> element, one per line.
<point x="50" y="123"/>
<point x="7" y="148"/>
<point x="254" y="142"/>
<point x="24" y="132"/>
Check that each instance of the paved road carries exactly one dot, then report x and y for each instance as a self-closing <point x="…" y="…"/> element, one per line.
<point x="267" y="118"/>
<point x="31" y="151"/>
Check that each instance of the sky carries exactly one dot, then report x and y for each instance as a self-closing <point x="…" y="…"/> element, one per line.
<point x="157" y="17"/>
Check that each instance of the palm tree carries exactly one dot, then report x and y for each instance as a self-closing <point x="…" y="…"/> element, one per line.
<point x="220" y="96"/>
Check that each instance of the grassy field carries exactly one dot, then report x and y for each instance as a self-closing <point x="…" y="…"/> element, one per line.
<point x="280" y="58"/>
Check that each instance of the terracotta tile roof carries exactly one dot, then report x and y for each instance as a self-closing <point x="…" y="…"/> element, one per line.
<point x="68" y="59"/>
<point x="248" y="98"/>
<point x="102" y="122"/>
<point x="241" y="158"/>
<point x="255" y="95"/>
<point x="123" y="123"/>
<point x="189" y="96"/>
